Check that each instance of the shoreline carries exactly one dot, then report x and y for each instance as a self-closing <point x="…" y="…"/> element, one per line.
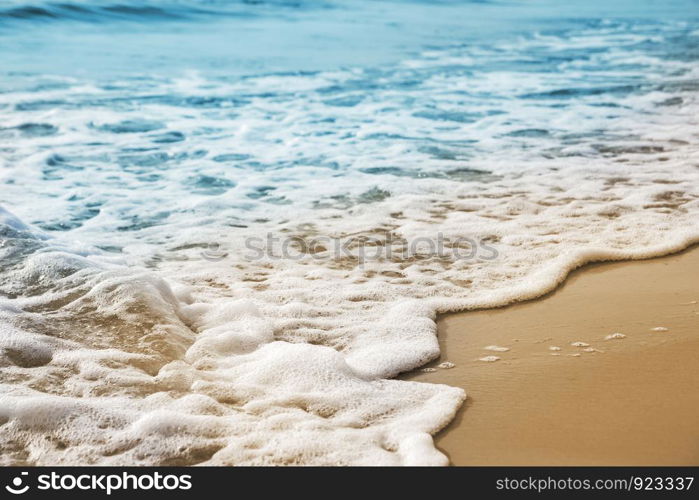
<point x="628" y="400"/>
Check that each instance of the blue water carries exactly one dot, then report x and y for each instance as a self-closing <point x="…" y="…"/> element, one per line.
<point x="103" y="38"/>
<point x="143" y="70"/>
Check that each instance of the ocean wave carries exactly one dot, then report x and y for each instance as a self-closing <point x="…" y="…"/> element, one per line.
<point x="77" y="12"/>
<point x="153" y="10"/>
<point x="137" y="328"/>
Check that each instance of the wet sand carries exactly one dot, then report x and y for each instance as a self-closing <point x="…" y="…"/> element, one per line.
<point x="623" y="401"/>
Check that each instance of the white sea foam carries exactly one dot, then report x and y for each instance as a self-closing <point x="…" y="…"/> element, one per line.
<point x="496" y="348"/>
<point x="615" y="336"/>
<point x="489" y="359"/>
<point x="125" y="342"/>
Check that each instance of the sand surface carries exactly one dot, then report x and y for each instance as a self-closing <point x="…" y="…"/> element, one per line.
<point x="631" y="400"/>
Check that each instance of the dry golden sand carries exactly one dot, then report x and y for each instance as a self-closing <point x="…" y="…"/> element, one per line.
<point x="632" y="401"/>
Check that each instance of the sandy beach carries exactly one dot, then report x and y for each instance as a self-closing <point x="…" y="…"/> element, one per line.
<point x="603" y="371"/>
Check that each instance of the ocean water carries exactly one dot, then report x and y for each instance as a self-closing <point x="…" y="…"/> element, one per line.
<point x="226" y="225"/>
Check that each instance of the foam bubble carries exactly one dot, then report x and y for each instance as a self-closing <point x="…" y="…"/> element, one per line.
<point x="615" y="336"/>
<point x="489" y="359"/>
<point x="496" y="348"/>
